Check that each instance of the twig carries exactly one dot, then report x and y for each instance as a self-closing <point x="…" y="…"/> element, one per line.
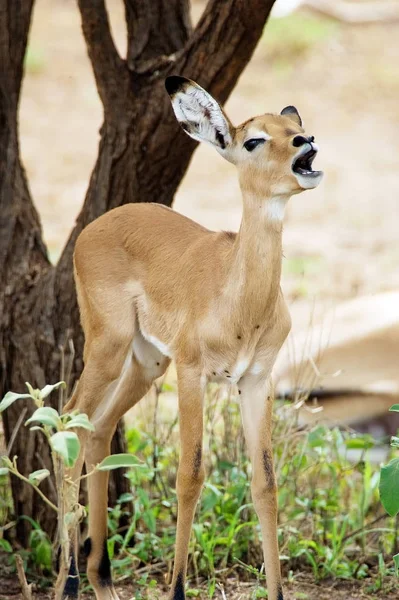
<point x="50" y="479"/>
<point x="15" y="430"/>
<point x="65" y="369"/>
<point x="7" y="526"/>
<point x="222" y="592"/>
<point x="70" y="363"/>
<point x="365" y="528"/>
<point x="23" y="478"/>
<point x="26" y="588"/>
<point x="62" y="373"/>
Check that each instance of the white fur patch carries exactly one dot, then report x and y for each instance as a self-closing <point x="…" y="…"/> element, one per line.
<point x="257" y="134"/>
<point x="256" y="369"/>
<point x="163" y="348"/>
<point x="239" y="369"/>
<point x="275" y="208"/>
<point x="147" y="354"/>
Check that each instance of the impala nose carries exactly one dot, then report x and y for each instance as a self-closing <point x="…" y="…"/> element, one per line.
<point x="300" y="140"/>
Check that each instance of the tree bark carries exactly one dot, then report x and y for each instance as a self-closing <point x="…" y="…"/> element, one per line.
<point x="143" y="156"/>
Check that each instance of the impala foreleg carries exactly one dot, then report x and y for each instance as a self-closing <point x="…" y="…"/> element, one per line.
<point x="191" y="474"/>
<point x="257" y="411"/>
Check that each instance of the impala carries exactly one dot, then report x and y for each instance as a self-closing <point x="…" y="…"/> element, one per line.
<point x="154" y="286"/>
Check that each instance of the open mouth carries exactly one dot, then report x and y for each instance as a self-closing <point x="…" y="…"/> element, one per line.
<point x="303" y="164"/>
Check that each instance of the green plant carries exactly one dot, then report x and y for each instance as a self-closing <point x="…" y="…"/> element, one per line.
<point x="328" y="502"/>
<point x="330" y="518"/>
<point x="59" y="430"/>
<point x="389" y="485"/>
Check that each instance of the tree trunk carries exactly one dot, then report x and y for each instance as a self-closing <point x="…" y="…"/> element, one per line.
<point x="143" y="156"/>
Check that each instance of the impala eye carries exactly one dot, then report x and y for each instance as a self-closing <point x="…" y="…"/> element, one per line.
<point x="253" y="143"/>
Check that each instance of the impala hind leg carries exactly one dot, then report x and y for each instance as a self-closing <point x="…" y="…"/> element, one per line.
<point x="67" y="584"/>
<point x="257" y="412"/>
<point x="135" y="385"/>
<point x="105" y="361"/>
<point x="191" y="474"/>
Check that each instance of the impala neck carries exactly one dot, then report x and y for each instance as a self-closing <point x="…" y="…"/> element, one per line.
<point x="257" y="253"/>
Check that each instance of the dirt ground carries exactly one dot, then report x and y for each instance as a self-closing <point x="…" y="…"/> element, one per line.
<point x="303" y="588"/>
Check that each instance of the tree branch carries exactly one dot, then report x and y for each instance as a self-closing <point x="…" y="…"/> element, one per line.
<point x="15" y="17"/>
<point x="223" y="43"/>
<point x="109" y="69"/>
<point x="156" y="29"/>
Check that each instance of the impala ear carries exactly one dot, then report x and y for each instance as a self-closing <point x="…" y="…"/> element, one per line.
<point x="198" y="113"/>
<point x="292" y="113"/>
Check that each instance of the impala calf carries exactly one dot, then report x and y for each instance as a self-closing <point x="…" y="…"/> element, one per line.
<point x="153" y="285"/>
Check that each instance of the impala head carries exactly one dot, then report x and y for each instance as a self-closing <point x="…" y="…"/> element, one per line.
<point x="272" y="152"/>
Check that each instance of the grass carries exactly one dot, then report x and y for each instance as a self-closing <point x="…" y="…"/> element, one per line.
<point x="330" y="519"/>
<point x="331" y="523"/>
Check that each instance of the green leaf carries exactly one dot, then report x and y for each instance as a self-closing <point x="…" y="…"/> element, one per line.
<point x="46" y="391"/>
<point x="67" y="445"/>
<point x="363" y="442"/>
<point x="317" y="438"/>
<point x="7" y="462"/>
<point x="31" y="391"/>
<point x="394" y="408"/>
<point x="3" y="471"/>
<point x="396" y="563"/>
<point x="6" y="546"/>
<point x="80" y="420"/>
<point x="193" y="593"/>
<point x="10" y="398"/>
<point x="389" y="487"/>
<point x="46" y="416"/>
<point x="126" y="497"/>
<point x="116" y="461"/>
<point x="42" y="554"/>
<point x="37" y="476"/>
<point x="395" y="441"/>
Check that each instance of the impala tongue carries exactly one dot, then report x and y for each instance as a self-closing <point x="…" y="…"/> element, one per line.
<point x="303" y="164"/>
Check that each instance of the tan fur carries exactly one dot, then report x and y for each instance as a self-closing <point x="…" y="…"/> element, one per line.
<point x="152" y="280"/>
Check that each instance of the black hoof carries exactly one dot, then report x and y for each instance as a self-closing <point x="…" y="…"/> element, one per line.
<point x="178" y="593"/>
<point x="71" y="589"/>
<point x="104" y="568"/>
